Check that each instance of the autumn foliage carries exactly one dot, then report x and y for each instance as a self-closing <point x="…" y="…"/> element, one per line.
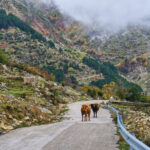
<point x="42" y="73"/>
<point x="109" y="90"/>
<point x="92" y="91"/>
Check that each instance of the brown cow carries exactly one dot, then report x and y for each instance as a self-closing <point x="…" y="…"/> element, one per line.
<point x="85" y="110"/>
<point x="95" y="108"/>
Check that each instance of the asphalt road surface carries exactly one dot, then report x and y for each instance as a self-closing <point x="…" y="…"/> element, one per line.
<point x="70" y="134"/>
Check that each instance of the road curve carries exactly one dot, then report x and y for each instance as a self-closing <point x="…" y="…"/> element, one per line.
<point x="70" y="134"/>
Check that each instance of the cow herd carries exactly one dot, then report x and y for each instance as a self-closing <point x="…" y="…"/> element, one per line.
<point x="86" y="111"/>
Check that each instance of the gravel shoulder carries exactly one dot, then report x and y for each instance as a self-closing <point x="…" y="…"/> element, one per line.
<point x="70" y="134"/>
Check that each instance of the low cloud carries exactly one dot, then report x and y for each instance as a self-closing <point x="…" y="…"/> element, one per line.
<point x="109" y="14"/>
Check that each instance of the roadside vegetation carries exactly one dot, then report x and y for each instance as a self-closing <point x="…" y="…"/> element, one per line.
<point x="121" y="142"/>
<point x="136" y="119"/>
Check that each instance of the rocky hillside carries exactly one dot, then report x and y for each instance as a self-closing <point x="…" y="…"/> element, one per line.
<point x="63" y="63"/>
<point x="137" y="70"/>
<point x="25" y="45"/>
<point x="129" y="51"/>
<point x="28" y="99"/>
<point x="49" y="21"/>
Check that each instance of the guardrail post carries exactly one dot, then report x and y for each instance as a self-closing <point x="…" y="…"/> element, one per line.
<point x="133" y="134"/>
<point x="131" y="148"/>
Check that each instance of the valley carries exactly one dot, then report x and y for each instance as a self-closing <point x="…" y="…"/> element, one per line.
<point x="51" y="64"/>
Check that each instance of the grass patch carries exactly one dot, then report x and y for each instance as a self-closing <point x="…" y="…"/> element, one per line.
<point x="23" y="125"/>
<point x="122" y="143"/>
<point x="65" y="109"/>
<point x="122" y="106"/>
<point x="19" y="91"/>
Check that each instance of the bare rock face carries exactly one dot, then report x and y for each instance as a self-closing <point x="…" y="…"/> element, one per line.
<point x="5" y="67"/>
<point x="45" y="110"/>
<point x="29" y="80"/>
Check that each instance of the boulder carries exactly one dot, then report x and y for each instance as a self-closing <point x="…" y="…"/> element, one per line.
<point x="6" y="127"/>
<point x="45" y="110"/>
<point x="27" y="118"/>
<point x="29" y="80"/>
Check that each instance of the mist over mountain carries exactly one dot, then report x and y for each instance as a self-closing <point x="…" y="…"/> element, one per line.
<point x="57" y="52"/>
<point x="109" y="14"/>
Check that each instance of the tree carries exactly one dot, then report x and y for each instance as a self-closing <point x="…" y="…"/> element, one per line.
<point x="91" y="62"/>
<point x="51" y="44"/>
<point x="59" y="75"/>
<point x="133" y="94"/>
<point x="92" y="91"/>
<point x="60" y="50"/>
<point x="65" y="68"/>
<point x="109" y="90"/>
<point x="3" y="19"/>
<point x="121" y="92"/>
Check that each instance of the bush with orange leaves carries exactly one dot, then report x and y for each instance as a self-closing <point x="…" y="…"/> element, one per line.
<point x="109" y="90"/>
<point x="92" y="91"/>
<point x="42" y="73"/>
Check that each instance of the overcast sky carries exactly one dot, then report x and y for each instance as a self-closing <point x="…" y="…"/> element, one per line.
<point x="107" y="13"/>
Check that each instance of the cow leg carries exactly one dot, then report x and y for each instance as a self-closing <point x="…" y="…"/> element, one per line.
<point x="89" y="116"/>
<point x="82" y="117"/>
<point x="96" y="114"/>
<point x="85" y="117"/>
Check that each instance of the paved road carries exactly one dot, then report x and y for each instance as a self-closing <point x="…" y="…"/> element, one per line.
<point x="71" y="134"/>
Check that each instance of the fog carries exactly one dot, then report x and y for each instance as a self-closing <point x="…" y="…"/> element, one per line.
<point x="109" y="14"/>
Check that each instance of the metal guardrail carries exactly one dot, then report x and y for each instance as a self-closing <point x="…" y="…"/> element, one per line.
<point x="133" y="142"/>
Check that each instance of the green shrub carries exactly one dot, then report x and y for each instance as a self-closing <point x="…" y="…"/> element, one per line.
<point x="51" y="44"/>
<point x="70" y="69"/>
<point x="3" y="58"/>
<point x="60" y="50"/>
<point x="91" y="62"/>
<point x="73" y="80"/>
<point x="59" y="73"/>
<point x="131" y="94"/>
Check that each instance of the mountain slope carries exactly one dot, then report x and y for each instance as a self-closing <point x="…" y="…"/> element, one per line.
<point x="129" y="50"/>
<point x="21" y="49"/>
<point x="28" y="99"/>
<point x="72" y="42"/>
